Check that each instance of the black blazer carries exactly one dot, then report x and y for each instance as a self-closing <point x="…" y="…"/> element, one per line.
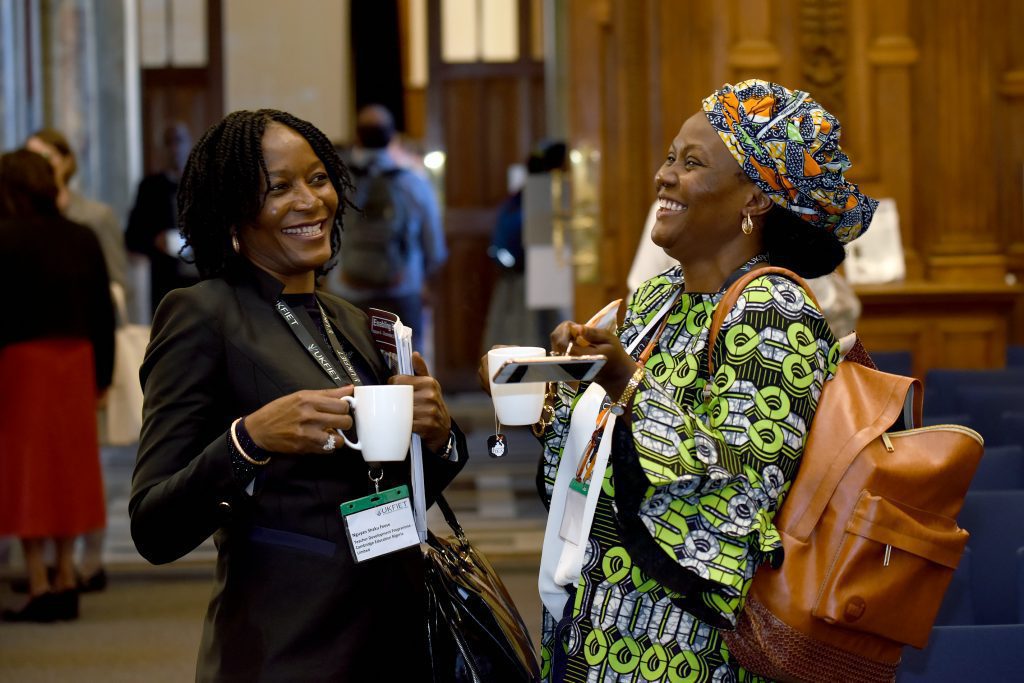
<point x="289" y="603"/>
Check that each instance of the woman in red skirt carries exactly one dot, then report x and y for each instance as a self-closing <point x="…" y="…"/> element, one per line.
<point x="56" y="358"/>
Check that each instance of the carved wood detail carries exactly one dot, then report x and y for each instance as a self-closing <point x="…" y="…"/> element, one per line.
<point x="823" y="51"/>
<point x="918" y="84"/>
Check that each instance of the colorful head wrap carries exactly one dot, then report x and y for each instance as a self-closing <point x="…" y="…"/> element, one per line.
<point x="789" y="146"/>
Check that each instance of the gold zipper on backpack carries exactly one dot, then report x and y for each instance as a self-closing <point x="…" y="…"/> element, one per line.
<point x="887" y="436"/>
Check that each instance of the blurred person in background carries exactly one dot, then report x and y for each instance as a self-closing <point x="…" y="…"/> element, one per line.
<point x="153" y="223"/>
<point x="395" y="241"/>
<point x="53" y="145"/>
<point x="509" y="321"/>
<point x="99" y="217"/>
<point x="56" y="359"/>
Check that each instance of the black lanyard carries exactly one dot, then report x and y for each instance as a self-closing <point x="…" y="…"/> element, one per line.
<point x="302" y="334"/>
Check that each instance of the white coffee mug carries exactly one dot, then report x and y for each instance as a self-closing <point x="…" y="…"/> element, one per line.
<point x="515" y="404"/>
<point x="383" y="417"/>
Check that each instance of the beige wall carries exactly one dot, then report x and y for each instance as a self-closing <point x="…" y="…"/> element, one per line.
<point x="292" y="56"/>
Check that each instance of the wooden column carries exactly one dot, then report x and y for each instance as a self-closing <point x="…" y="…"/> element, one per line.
<point x="956" y="201"/>
<point x="1009" y="112"/>
<point x="612" y="48"/>
<point x="881" y="113"/>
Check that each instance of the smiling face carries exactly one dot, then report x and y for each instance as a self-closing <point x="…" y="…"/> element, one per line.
<point x="291" y="236"/>
<point x="702" y="194"/>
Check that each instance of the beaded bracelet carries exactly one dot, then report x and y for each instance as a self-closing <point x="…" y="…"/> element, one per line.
<point x="241" y="451"/>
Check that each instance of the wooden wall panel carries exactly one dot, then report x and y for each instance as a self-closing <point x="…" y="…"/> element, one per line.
<point x="952" y="96"/>
<point x="415" y="113"/>
<point x="1009" y="61"/>
<point x="881" y="109"/>
<point x="943" y="324"/>
<point x="930" y="93"/>
<point x="611" y="108"/>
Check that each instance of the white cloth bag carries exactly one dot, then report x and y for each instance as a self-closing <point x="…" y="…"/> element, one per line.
<point x="123" y="414"/>
<point x="561" y="561"/>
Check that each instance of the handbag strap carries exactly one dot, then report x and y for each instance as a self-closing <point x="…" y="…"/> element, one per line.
<point x="826" y="471"/>
<point x="449" y="517"/>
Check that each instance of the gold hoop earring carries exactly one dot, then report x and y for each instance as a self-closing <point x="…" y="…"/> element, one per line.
<point x="235" y="245"/>
<point x="748" y="225"/>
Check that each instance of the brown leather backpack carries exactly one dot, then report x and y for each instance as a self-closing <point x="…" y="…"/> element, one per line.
<point x="869" y="530"/>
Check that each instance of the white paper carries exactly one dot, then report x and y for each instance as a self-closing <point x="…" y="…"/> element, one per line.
<point x="382" y="529"/>
<point x="403" y="342"/>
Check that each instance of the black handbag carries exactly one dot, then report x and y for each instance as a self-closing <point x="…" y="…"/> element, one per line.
<point x="474" y="631"/>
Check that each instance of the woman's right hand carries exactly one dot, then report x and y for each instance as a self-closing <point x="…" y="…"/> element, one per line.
<point x="483" y="371"/>
<point x="585" y="340"/>
<point x="300" y="422"/>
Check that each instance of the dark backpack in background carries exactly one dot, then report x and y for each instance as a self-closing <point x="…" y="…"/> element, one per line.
<point x="373" y="243"/>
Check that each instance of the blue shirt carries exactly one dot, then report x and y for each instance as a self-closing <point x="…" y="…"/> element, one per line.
<point x="427" y="250"/>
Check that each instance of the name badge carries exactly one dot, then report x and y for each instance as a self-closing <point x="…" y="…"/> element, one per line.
<point x="572" y="516"/>
<point x="380" y="523"/>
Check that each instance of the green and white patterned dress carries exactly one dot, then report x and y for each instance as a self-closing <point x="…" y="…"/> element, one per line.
<point x="692" y="485"/>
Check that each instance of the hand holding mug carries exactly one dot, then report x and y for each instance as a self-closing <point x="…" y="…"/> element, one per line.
<point x="585" y="340"/>
<point x="430" y="418"/>
<point x="301" y="422"/>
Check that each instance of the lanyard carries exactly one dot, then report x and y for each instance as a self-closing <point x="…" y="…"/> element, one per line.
<point x="302" y="334"/>
<point x="586" y="466"/>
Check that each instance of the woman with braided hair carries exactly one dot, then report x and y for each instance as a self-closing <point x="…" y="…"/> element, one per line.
<point x="242" y="426"/>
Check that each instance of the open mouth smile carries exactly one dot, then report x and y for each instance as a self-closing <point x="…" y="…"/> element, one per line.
<point x="305" y="230"/>
<point x="668" y="206"/>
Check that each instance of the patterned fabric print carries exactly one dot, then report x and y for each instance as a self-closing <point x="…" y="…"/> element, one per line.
<point x="717" y="474"/>
<point x="789" y="146"/>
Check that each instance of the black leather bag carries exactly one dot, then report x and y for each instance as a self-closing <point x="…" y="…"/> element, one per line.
<point x="474" y="631"/>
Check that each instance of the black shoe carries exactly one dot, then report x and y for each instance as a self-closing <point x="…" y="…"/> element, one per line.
<point x="95" y="583"/>
<point x="66" y="605"/>
<point x="46" y="608"/>
<point x="21" y="585"/>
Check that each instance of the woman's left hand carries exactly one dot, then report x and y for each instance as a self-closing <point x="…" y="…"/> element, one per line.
<point x="430" y="418"/>
<point x="615" y="374"/>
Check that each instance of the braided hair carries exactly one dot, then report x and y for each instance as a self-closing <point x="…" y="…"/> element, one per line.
<point x="220" y="186"/>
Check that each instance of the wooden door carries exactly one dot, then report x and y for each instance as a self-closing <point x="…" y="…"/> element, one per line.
<point x="485" y="115"/>
<point x="192" y="94"/>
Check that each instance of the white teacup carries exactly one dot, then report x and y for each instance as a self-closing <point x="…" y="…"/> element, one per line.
<point x="515" y="404"/>
<point x="383" y="417"/>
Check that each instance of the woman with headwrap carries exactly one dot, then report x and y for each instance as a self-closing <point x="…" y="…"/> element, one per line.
<point x="701" y="464"/>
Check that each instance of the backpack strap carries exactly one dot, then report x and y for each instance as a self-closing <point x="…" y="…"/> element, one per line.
<point x="862" y="405"/>
<point x="732" y="295"/>
<point x="869" y="418"/>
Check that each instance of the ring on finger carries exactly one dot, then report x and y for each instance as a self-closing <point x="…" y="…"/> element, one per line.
<point x="331" y="443"/>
